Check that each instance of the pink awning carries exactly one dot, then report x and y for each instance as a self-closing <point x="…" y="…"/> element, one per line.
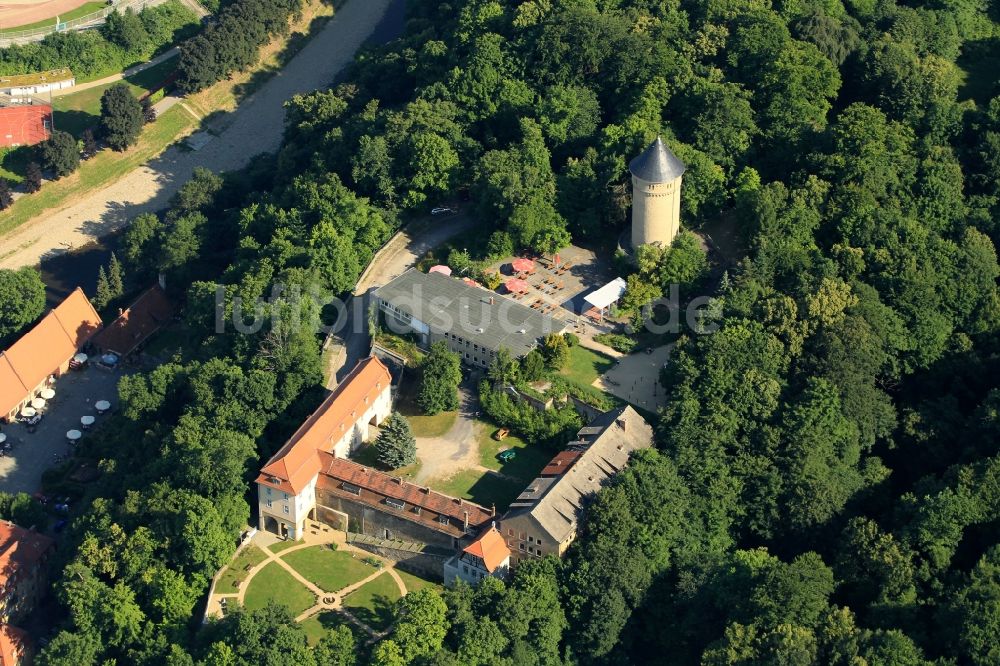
<point x="472" y="283"/>
<point x="516" y="285"/>
<point x="522" y="265"/>
<point x="440" y="268"/>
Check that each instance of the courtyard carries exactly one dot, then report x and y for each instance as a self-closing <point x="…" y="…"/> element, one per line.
<point x="32" y="453"/>
<point x="323" y="580"/>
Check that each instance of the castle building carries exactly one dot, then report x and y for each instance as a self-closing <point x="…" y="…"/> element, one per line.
<point x="656" y="195"/>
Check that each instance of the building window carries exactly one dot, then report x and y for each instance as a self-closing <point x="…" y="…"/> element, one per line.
<point x="268" y="504"/>
<point x="351" y="488"/>
<point x="521" y="547"/>
<point x="520" y="535"/>
<point x="395" y="503"/>
<point x="444" y="520"/>
<point x="284" y="496"/>
<point x="465" y="568"/>
<point x="531" y="539"/>
<point x="286" y="508"/>
<point x="268" y="489"/>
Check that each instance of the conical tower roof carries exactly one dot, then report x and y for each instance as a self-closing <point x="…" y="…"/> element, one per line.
<point x="657" y="164"/>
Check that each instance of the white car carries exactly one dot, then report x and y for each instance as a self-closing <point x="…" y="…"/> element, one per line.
<point x="441" y="210"/>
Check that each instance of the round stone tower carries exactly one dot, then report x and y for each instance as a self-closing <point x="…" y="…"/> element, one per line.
<point x="656" y="195"/>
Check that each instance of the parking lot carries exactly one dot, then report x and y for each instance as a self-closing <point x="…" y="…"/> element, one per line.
<point x="31" y="454"/>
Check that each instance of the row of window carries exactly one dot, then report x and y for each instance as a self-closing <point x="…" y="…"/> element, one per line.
<point x="397" y="504"/>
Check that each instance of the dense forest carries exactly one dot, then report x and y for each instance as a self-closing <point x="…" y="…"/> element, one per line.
<point x="826" y="485"/>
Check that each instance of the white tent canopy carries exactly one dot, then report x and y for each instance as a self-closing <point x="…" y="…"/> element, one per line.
<point x="606" y="295"/>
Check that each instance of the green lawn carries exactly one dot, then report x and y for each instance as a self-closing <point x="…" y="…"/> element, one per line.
<point x="82" y="10"/>
<point x="106" y="167"/>
<point x="421" y="424"/>
<point x="13" y="162"/>
<point x="530" y="459"/>
<point x="414" y="583"/>
<point x="237" y="570"/>
<point x="373" y="602"/>
<point x="584" y="365"/>
<point x="273" y="583"/>
<point x="317" y="626"/>
<point x="485" y="489"/>
<point x="76" y="112"/>
<point x="327" y="569"/>
<point x="279" y="546"/>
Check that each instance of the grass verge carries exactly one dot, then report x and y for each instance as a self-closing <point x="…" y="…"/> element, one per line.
<point x="82" y="10"/>
<point x="585" y="365"/>
<point x="237" y="570"/>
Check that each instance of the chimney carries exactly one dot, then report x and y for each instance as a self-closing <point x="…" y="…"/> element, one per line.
<point x="121" y="311"/>
<point x="466" y="521"/>
<point x="398" y="479"/>
<point x="492" y="300"/>
<point x="622" y="423"/>
<point x="493" y="513"/>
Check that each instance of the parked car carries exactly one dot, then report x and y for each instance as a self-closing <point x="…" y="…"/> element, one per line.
<point x="501" y="434"/>
<point x="507" y="456"/>
<point x="441" y="210"/>
<point x="62" y="508"/>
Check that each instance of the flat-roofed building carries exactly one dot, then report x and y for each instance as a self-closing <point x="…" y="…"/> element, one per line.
<point x="287" y="483"/>
<point x="45" y="351"/>
<point x="543" y="519"/>
<point x="24" y="557"/>
<point x="28" y="85"/>
<point x="474" y="322"/>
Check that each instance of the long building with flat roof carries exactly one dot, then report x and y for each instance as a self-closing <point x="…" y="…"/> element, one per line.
<point x="474" y="322"/>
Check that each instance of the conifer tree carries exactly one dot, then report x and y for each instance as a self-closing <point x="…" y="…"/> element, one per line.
<point x="103" y="295"/>
<point x="116" y="279"/>
<point x="395" y="445"/>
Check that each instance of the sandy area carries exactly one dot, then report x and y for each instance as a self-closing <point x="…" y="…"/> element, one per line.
<point x="255" y="127"/>
<point x="14" y="13"/>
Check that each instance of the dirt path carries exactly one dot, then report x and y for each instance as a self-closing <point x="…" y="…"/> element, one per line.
<point x="255" y="127"/>
<point x="453" y="451"/>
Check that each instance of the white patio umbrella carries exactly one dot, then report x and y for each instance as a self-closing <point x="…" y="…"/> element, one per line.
<point x="3" y="438"/>
<point x="80" y="358"/>
<point x="38" y="403"/>
<point x="73" y="435"/>
<point x="102" y="406"/>
<point x="28" y="412"/>
<point x="87" y="421"/>
<point x="48" y="393"/>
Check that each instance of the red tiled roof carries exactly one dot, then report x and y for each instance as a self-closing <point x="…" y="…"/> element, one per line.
<point x="338" y="470"/>
<point x="42" y="350"/>
<point x="297" y="462"/>
<point x="20" y="549"/>
<point x="560" y="463"/>
<point x="134" y="326"/>
<point x="490" y="548"/>
<point x="14" y="644"/>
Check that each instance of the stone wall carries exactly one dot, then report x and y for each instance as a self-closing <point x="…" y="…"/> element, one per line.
<point x="365" y="519"/>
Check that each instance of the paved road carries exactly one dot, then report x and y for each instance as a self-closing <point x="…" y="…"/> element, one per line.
<point x="255" y="127"/>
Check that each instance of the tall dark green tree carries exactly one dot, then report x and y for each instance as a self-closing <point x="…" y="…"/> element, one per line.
<point x="121" y="117"/>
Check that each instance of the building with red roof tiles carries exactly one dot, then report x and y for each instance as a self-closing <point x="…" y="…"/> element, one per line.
<point x="23" y="558"/>
<point x="45" y="351"/>
<point x="15" y="646"/>
<point x="486" y="556"/>
<point x="286" y="486"/>
<point x="134" y="326"/>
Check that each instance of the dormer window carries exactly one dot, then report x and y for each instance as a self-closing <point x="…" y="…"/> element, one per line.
<point x="395" y="503"/>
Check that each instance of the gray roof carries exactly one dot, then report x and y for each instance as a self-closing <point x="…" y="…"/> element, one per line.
<point x="657" y="164"/>
<point x="449" y="305"/>
<point x="555" y="503"/>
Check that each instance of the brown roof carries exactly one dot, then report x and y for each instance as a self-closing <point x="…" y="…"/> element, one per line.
<point x="375" y="486"/>
<point x="14" y="644"/>
<point x="297" y="462"/>
<point x="560" y="463"/>
<point x="136" y="324"/>
<point x="42" y="350"/>
<point x="490" y="548"/>
<point x="20" y="549"/>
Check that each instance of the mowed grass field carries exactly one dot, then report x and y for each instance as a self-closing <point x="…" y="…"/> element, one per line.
<point x="273" y="583"/>
<point x="327" y="569"/>
<point x="76" y="112"/>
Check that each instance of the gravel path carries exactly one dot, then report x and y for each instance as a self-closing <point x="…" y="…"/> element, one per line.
<point x="255" y="127"/>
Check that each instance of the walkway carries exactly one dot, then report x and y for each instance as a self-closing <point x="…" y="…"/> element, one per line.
<point x="163" y="57"/>
<point x="254" y="127"/>
<point x="317" y="534"/>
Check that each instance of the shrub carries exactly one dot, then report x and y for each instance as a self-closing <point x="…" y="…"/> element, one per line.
<point x="60" y="153"/>
<point x="617" y="341"/>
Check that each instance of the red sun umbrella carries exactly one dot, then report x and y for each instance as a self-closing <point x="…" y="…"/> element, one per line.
<point x="440" y="268"/>
<point x="516" y="285"/>
<point x="472" y="283"/>
<point x="523" y="265"/>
